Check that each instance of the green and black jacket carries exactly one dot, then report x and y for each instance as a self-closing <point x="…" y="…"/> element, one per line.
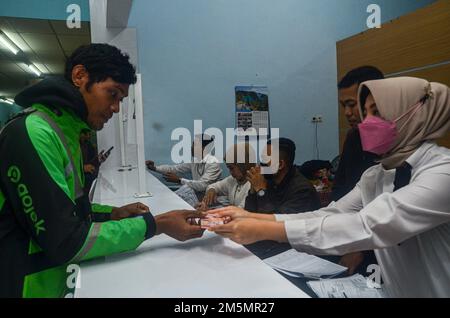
<point x="46" y="224"/>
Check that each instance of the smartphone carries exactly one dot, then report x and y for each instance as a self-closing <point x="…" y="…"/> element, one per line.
<point x="109" y="151"/>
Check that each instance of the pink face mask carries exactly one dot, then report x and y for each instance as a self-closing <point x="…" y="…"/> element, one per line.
<point x="378" y="135"/>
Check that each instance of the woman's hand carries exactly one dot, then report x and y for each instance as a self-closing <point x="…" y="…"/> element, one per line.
<point x="352" y="261"/>
<point x="241" y="231"/>
<point x="249" y="230"/>
<point x="233" y="212"/>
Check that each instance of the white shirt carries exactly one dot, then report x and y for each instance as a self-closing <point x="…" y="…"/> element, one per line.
<point x="236" y="193"/>
<point x="203" y="173"/>
<point x="409" y="229"/>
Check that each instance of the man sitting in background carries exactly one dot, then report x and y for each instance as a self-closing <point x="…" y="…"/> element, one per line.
<point x="283" y="192"/>
<point x="205" y="168"/>
<point x="235" y="187"/>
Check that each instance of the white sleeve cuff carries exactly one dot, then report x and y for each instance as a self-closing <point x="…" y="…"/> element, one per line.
<point x="297" y="235"/>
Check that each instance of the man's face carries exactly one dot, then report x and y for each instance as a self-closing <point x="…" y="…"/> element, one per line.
<point x="102" y="99"/>
<point x="267" y="162"/>
<point x="236" y="173"/>
<point x="197" y="149"/>
<point x="348" y="99"/>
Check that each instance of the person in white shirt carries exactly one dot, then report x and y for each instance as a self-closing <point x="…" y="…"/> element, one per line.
<point x="205" y="170"/>
<point x="400" y="208"/>
<point x="239" y="159"/>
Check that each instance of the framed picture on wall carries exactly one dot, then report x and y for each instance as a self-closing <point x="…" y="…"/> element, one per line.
<point x="252" y="107"/>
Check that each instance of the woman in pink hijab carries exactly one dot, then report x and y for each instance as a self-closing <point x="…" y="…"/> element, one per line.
<point x="400" y="208"/>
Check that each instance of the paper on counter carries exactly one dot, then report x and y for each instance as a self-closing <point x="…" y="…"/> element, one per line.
<point x="302" y="264"/>
<point x="349" y="287"/>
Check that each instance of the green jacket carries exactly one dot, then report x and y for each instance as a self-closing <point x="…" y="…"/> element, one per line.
<point x="45" y="223"/>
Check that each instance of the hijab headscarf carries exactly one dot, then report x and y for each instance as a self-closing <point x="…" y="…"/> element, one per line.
<point x="395" y="97"/>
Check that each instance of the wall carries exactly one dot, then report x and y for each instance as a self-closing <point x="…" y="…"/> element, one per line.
<point x="193" y="53"/>
<point x="42" y="9"/>
<point x="6" y="111"/>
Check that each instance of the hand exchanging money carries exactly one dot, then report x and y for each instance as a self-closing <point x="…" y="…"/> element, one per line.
<point x="176" y="225"/>
<point x="209" y="220"/>
<point x="233" y="212"/>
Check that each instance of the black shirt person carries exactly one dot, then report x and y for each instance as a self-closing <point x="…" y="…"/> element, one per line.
<point x="285" y="191"/>
<point x="353" y="161"/>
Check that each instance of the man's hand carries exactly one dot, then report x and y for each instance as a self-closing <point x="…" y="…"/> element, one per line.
<point x="172" y="177"/>
<point x="151" y="165"/>
<point x="210" y="197"/>
<point x="129" y="210"/>
<point x="201" y="206"/>
<point x="352" y="261"/>
<point x="175" y="224"/>
<point x="89" y="168"/>
<point x="242" y="231"/>
<point x="256" y="179"/>
<point x="102" y="156"/>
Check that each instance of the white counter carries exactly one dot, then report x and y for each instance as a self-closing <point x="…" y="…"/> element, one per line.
<point x="163" y="267"/>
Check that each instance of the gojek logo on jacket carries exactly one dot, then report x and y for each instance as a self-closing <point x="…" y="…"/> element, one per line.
<point x="14" y="176"/>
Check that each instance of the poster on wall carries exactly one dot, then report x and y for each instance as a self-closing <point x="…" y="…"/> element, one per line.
<point x="252" y="107"/>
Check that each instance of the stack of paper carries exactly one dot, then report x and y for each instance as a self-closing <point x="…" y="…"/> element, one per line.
<point x="355" y="286"/>
<point x="298" y="264"/>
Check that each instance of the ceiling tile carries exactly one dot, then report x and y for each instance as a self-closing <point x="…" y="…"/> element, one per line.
<point x="31" y="25"/>
<point x="41" y="42"/>
<point x="72" y="42"/>
<point x="61" y="28"/>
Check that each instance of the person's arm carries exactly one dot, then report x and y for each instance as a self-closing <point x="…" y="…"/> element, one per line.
<point x="351" y="203"/>
<point x="40" y="194"/>
<point x="388" y="220"/>
<point x="178" y="169"/>
<point x="101" y="213"/>
<point x="221" y="187"/>
<point x="212" y="173"/>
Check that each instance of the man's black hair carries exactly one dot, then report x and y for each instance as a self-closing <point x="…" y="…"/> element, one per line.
<point x="102" y="61"/>
<point x="360" y="75"/>
<point x="287" y="150"/>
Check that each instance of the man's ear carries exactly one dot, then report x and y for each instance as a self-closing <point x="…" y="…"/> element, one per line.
<point x="80" y="76"/>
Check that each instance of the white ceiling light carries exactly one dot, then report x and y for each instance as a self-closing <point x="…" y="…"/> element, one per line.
<point x="34" y="69"/>
<point x="9" y="44"/>
<point x="7" y="101"/>
<point x="10" y="100"/>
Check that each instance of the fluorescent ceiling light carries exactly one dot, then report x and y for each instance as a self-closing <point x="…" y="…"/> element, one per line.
<point x="34" y="69"/>
<point x="10" y="100"/>
<point x="7" y="101"/>
<point x="9" y="44"/>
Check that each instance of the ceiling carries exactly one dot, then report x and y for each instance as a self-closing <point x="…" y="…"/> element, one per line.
<point x="45" y="43"/>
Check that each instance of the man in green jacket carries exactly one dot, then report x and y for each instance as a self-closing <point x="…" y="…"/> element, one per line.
<point x="46" y="222"/>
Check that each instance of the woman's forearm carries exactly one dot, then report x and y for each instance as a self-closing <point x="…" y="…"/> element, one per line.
<point x="273" y="231"/>
<point x="262" y="216"/>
